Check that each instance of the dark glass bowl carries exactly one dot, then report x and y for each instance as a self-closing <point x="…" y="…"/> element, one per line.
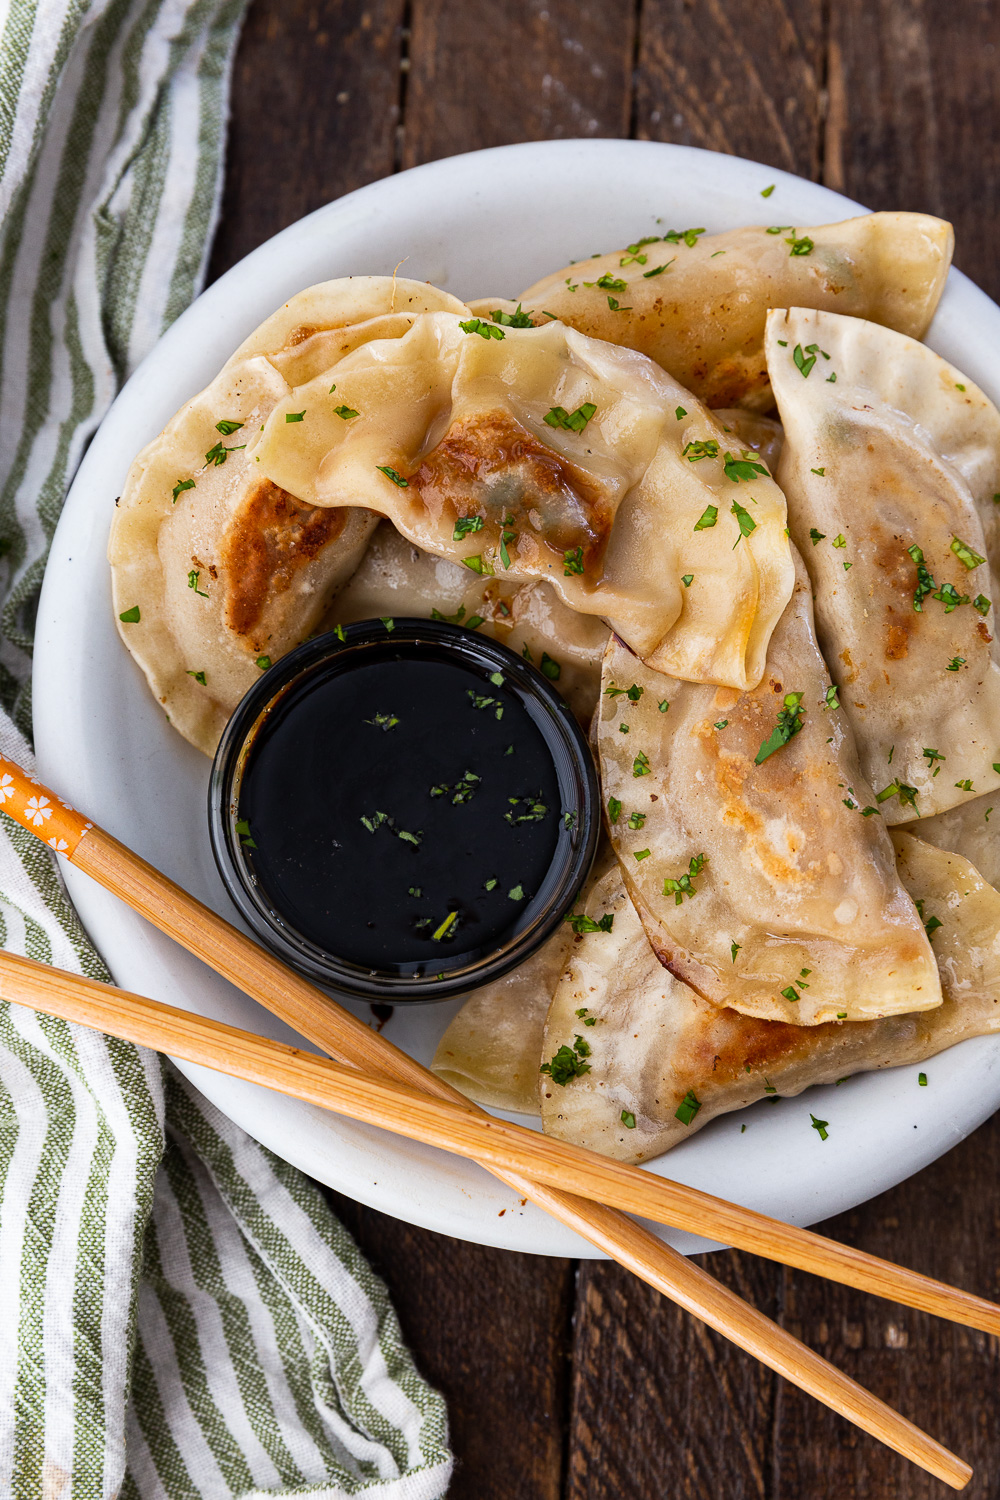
<point x="371" y="643"/>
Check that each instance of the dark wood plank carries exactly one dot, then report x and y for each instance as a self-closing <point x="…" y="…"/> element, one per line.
<point x="315" y="111"/>
<point x="486" y="76"/>
<point x="661" y="1406"/>
<point x="914" y="92"/>
<point x="733" y="77"/>
<point x="492" y="1331"/>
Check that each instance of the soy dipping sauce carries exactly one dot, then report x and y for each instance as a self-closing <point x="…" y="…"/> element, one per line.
<point x="403" y="813"/>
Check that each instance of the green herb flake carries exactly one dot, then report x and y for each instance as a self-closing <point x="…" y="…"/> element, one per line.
<point x="181" y="486"/>
<point x="294" y="416"/>
<point x="243" y="832"/>
<point x="516" y="319"/>
<point x="907" y="794"/>
<point x="479" y="565"/>
<point x="484" y="329"/>
<point x="925" y="583"/>
<point x="720" y="723"/>
<point x="816" y="536"/>
<point x="734" y="948"/>
<point x="707" y="519"/>
<point x="391" y="473"/>
<point x="199" y="677"/>
<point x="688" y="236"/>
<point x="524" y="809"/>
<point x="820" y="1125"/>
<point x="965" y="553"/>
<point x="636" y="821"/>
<point x="688" y="1108"/>
<point x="746" y="522"/>
<point x="680" y="412"/>
<point x="741" y="468"/>
<point x="516" y="893"/>
<point x="614" y="810"/>
<point x="663" y="705"/>
<point x="130" y="616"/>
<point x="385" y="722"/>
<point x="982" y="604"/>
<point x="447" y="928"/>
<point x="801" y="246"/>
<point x="550" y="669"/>
<point x="568" y="1063"/>
<point x="687" y="580"/>
<point x="491" y="884"/>
<point x="582" y="924"/>
<point x="830" y="699"/>
<point x="346" y="413"/>
<point x="699" y="449"/>
<point x="803" y="362"/>
<point x="573" y="562"/>
<point x="623" y="729"/>
<point x="820" y="472"/>
<point x="640" y="766"/>
<point x="628" y="1119"/>
<point x="955" y="663"/>
<point x="964" y="786"/>
<point x="922" y="1080"/>
<point x="227" y="426"/>
<point x="572" y="421"/>
<point x="263" y="662"/>
<point x="790" y="720"/>
<point x="766" y="192"/>
<point x="193" y="577"/>
<point x="658" y="270"/>
<point x="683" y="885"/>
<point x="388" y="622"/>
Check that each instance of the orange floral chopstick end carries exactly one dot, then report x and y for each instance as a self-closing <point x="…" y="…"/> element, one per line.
<point x="40" y="811"/>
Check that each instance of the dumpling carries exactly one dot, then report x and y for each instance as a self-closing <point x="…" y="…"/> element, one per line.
<point x="762" y="434"/>
<point x="750" y="840"/>
<point x="696" y="303"/>
<point x="886" y="464"/>
<point x="216" y="571"/>
<point x="662" y="1057"/>
<point x="396" y="578"/>
<point x="537" y="453"/>
<point x="972" y="830"/>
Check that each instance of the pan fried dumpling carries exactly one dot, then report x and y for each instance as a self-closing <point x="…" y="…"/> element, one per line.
<point x="537" y="453"/>
<point x="696" y="303"/>
<point x="878" y="467"/>
<point x="750" y="841"/>
<point x="216" y="571"/>
<point x="396" y="578"/>
<point x="672" y="1061"/>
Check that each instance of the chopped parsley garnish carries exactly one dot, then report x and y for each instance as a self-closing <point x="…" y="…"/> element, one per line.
<point x="687" y="580"/>
<point x="193" y="577"/>
<point x="932" y="755"/>
<point x="950" y="597"/>
<point x="573" y="562"/>
<point x="778" y="229"/>
<point x="391" y="473"/>
<point x="479" y="565"/>
<point x="516" y="893"/>
<point x="734" y="948"/>
<point x="839" y="540"/>
<point x="688" y="1107"/>
<point x="804" y="361"/>
<point x="820" y="472"/>
<point x="616" y="306"/>
<point x="463" y="790"/>
<point x="569" y="818"/>
<point x="816" y="536"/>
<point x="338" y="631"/>
<point x="689" y="236"/>
<point x="497" y="679"/>
<point x="830" y="699"/>
<point x="683" y="886"/>
<point x="609" y="283"/>
<point x="572" y="421"/>
<point x="982" y="604"/>
<point x="922" y="1080"/>
<point x="219" y="453"/>
<point x="614" y="809"/>
<point x="388" y="622"/>
<point x="628" y="1119"/>
<point x="524" y="809"/>
<point x="658" y="270"/>
<point x="720" y="723"/>
<point x="581" y="923"/>
<point x="550" y="669"/>
<point x="790" y="719"/>
<point x="642" y="854"/>
<point x="243" y="831"/>
<point x="964" y="786"/>
<point x="955" y="663"/>
<point x="634" y="693"/>
<point x="480" y="700"/>
<point x="663" y="705"/>
<point x="484" y="329"/>
<point x="294" y="416"/>
<point x="820" y="1125"/>
<point x="640" y="766"/>
<point x="344" y="412"/>
<point x="506" y="536"/>
<point x="907" y="794"/>
<point x="491" y="884"/>
<point x="456" y="618"/>
<point x="965" y="554"/>
<point x="130" y="616"/>
<point x="925" y="583"/>
<point x="747" y="524"/>
<point x="636" y="820"/>
<point x="707" y="519"/>
<point x="415" y="890"/>
<point x="199" y="677"/>
<point x="800" y="246"/>
<point x="385" y="722"/>
<point x="693" y="451"/>
<point x="680" y="412"/>
<point x="766" y="192"/>
<point x="623" y="729"/>
<point x="568" y="1063"/>
<point x="263" y="662"/>
<point x="516" y="319"/>
<point x="227" y="427"/>
<point x="446" y="929"/>
<point x="741" y="468"/>
<point x="180" y="486"/>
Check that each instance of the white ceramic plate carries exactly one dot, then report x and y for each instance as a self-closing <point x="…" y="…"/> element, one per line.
<point x="488" y="223"/>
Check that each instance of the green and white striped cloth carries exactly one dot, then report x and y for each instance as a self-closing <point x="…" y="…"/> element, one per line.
<point x="180" y="1314"/>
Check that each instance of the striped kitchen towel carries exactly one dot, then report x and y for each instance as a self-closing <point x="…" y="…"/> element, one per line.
<point x="180" y="1314"/>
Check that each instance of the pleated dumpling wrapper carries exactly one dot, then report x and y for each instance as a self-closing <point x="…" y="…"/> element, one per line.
<point x="396" y="578"/>
<point x="661" y="1061"/>
<point x="696" y="302"/>
<point x="538" y="453"/>
<point x="889" y="456"/>
<point x="750" y="840"/>
<point x="972" y="830"/>
<point x="216" y="571"/>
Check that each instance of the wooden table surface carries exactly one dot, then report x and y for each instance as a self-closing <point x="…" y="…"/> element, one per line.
<point x="571" y="1381"/>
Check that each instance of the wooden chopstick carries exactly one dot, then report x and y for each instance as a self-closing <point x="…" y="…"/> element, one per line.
<point x="465" y="1131"/>
<point x="315" y="1015"/>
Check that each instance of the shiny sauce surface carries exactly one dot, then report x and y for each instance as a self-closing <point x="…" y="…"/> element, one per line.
<point x="400" y="814"/>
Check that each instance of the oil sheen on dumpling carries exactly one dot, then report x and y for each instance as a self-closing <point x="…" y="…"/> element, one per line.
<point x="696" y="303"/>
<point x="216" y="570"/>
<point x="889" y="459"/>
<point x="663" y="1057"/>
<point x="765" y="880"/>
<point x="397" y="578"/>
<point x="538" y="453"/>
